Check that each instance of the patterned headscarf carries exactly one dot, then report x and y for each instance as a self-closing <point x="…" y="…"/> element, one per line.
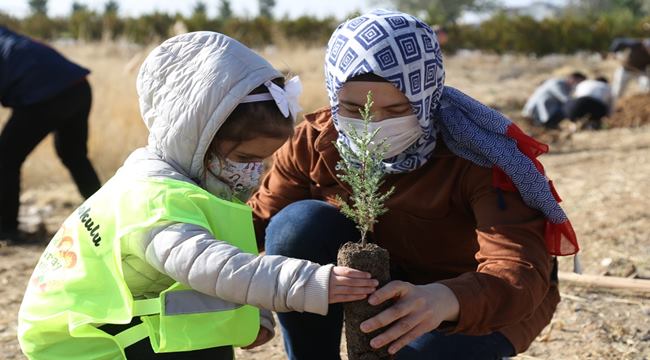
<point x="404" y="50"/>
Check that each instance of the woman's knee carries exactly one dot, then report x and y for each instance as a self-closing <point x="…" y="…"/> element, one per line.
<point x="436" y="345"/>
<point x="306" y="227"/>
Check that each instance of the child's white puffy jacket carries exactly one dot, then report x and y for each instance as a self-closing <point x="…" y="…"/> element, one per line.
<point x="187" y="88"/>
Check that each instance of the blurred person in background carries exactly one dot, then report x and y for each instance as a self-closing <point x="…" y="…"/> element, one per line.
<point x="47" y="94"/>
<point x="592" y="99"/>
<point x="634" y="57"/>
<point x="546" y="106"/>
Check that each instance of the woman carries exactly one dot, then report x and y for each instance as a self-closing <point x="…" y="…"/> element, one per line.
<point x="470" y="228"/>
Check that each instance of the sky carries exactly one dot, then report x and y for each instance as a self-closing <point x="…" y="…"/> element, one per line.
<point x="292" y="8"/>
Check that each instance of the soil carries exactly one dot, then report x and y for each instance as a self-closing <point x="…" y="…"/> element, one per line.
<point x="633" y="111"/>
<point x="375" y="260"/>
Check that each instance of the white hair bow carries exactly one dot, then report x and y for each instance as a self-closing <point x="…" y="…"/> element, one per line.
<point x="286" y="99"/>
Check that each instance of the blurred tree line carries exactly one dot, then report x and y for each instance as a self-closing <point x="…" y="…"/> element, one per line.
<point x="565" y="34"/>
<point x="86" y="24"/>
<point x="583" y="25"/>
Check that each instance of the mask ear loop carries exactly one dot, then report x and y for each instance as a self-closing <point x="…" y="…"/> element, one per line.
<point x="208" y="167"/>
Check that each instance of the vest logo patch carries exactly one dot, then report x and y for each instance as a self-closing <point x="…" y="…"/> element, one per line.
<point x="89" y="224"/>
<point x="58" y="261"/>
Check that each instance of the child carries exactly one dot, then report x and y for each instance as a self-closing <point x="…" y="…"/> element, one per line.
<point x="166" y="246"/>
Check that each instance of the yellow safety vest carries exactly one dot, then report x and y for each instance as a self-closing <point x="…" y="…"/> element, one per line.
<point x="78" y="283"/>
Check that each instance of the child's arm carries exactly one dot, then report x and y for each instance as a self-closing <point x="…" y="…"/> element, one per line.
<point x="190" y="255"/>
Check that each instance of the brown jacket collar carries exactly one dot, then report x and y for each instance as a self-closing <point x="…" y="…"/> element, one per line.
<point x="321" y="121"/>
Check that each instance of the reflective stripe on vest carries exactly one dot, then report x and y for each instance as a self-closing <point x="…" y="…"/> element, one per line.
<point x="176" y="303"/>
<point x="78" y="282"/>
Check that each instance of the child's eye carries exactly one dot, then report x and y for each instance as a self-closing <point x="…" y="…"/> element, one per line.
<point x="248" y="159"/>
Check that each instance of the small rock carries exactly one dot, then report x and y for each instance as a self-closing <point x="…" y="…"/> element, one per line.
<point x="646" y="337"/>
<point x="646" y="310"/>
<point x="620" y="267"/>
<point x="606" y="262"/>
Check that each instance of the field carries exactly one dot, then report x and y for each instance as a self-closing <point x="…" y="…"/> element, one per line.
<point x="602" y="176"/>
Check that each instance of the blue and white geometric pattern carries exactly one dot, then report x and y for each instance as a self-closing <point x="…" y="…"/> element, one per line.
<point x="415" y="81"/>
<point x="428" y="45"/>
<point x="386" y="58"/>
<point x="397" y="22"/>
<point x="348" y="59"/>
<point x="371" y="35"/>
<point x="335" y="49"/>
<point x="354" y="24"/>
<point x="409" y="47"/>
<point x="404" y="50"/>
<point x="362" y="68"/>
<point x="430" y="77"/>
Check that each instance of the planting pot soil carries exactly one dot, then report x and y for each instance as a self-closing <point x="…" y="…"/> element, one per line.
<point x="374" y="260"/>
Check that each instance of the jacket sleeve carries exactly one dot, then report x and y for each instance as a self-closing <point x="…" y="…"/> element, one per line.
<point x="190" y="255"/>
<point x="513" y="273"/>
<point x="288" y="181"/>
<point x="267" y="321"/>
<point x="530" y="104"/>
<point x="558" y="92"/>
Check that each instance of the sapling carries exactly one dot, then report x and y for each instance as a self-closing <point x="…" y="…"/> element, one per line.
<point x="362" y="169"/>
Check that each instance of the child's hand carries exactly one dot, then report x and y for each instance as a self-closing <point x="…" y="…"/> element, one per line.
<point x="263" y="336"/>
<point x="348" y="284"/>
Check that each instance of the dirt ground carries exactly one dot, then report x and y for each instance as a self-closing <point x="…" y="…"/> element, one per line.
<point x="630" y="112"/>
<point x="602" y="176"/>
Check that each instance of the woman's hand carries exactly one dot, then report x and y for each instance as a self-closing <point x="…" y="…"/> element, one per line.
<point x="417" y="310"/>
<point x="348" y="284"/>
<point x="263" y="336"/>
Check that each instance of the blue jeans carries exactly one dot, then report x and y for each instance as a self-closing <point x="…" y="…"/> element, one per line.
<point x="315" y="230"/>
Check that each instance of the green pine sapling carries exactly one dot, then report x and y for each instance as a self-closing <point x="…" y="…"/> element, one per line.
<point x="363" y="171"/>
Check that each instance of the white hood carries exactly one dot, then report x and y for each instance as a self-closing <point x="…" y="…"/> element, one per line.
<point x="188" y="86"/>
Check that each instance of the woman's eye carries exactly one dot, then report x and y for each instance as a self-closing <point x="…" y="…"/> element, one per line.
<point x="401" y="110"/>
<point x="352" y="110"/>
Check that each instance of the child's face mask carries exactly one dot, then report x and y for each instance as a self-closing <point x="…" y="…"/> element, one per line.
<point x="242" y="178"/>
<point x="400" y="132"/>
